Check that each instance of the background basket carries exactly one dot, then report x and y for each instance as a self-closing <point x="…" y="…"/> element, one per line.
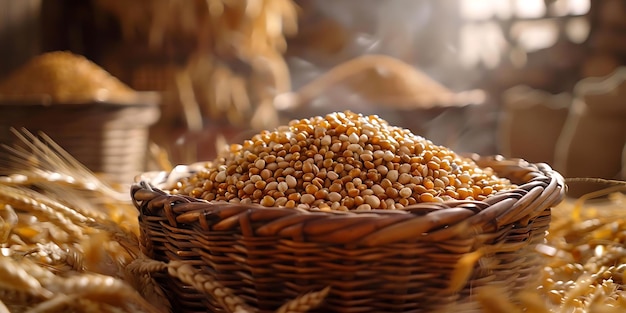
<point x="375" y="261"/>
<point x="108" y="138"/>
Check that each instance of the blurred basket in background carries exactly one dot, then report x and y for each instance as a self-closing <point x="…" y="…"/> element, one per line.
<point x="426" y="257"/>
<point x="89" y="113"/>
<point x="108" y="138"/>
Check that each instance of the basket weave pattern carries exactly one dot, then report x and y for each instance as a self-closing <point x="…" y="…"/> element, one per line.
<point x="375" y="261"/>
<point x="109" y="139"/>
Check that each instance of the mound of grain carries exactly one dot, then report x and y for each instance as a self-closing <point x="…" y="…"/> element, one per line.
<point x="343" y="161"/>
<point x="65" y="78"/>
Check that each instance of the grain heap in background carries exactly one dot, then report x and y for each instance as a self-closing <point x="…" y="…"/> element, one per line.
<point x="64" y="77"/>
<point x="343" y="161"/>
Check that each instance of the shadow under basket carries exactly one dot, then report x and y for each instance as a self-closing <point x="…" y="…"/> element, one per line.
<point x="374" y="261"/>
<point x="108" y="138"/>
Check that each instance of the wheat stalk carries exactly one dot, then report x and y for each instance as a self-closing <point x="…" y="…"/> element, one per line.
<point x="41" y="160"/>
<point x="17" y="277"/>
<point x="99" y="288"/>
<point x="305" y="302"/>
<point x="60" y="215"/>
<point x="144" y="265"/>
<point x="140" y="270"/>
<point x="204" y="283"/>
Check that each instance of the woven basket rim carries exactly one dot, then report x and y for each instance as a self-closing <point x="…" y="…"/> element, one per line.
<point x="543" y="188"/>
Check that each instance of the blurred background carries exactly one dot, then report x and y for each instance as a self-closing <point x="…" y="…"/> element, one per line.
<point x="536" y="79"/>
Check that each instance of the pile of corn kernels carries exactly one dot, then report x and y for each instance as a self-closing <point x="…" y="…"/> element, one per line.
<point x="343" y="161"/>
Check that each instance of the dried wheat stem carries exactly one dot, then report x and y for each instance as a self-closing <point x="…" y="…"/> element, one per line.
<point x="23" y="195"/>
<point x="84" y="202"/>
<point x="127" y="240"/>
<point x="56" y="259"/>
<point x="187" y="98"/>
<point x="595" y="180"/>
<point x="100" y="288"/>
<point x="74" y="259"/>
<point x="493" y="299"/>
<point x="204" y="283"/>
<point x="140" y="271"/>
<point x="18" y="277"/>
<point x="12" y="297"/>
<point x="86" y="305"/>
<point x="34" y="176"/>
<point x="58" y="303"/>
<point x="144" y="265"/>
<point x="8" y="220"/>
<point x="48" y="162"/>
<point x="151" y="291"/>
<point x="64" y="303"/>
<point x="62" y="216"/>
<point x="305" y="302"/>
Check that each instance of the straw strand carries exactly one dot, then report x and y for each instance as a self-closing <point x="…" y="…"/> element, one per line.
<point x="305" y="302"/>
<point x="204" y="283"/>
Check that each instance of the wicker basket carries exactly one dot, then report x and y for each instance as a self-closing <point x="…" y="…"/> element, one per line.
<point x="378" y="261"/>
<point x="107" y="137"/>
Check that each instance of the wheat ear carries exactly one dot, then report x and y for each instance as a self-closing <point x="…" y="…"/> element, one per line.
<point x="205" y="283"/>
<point x="305" y="302"/>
